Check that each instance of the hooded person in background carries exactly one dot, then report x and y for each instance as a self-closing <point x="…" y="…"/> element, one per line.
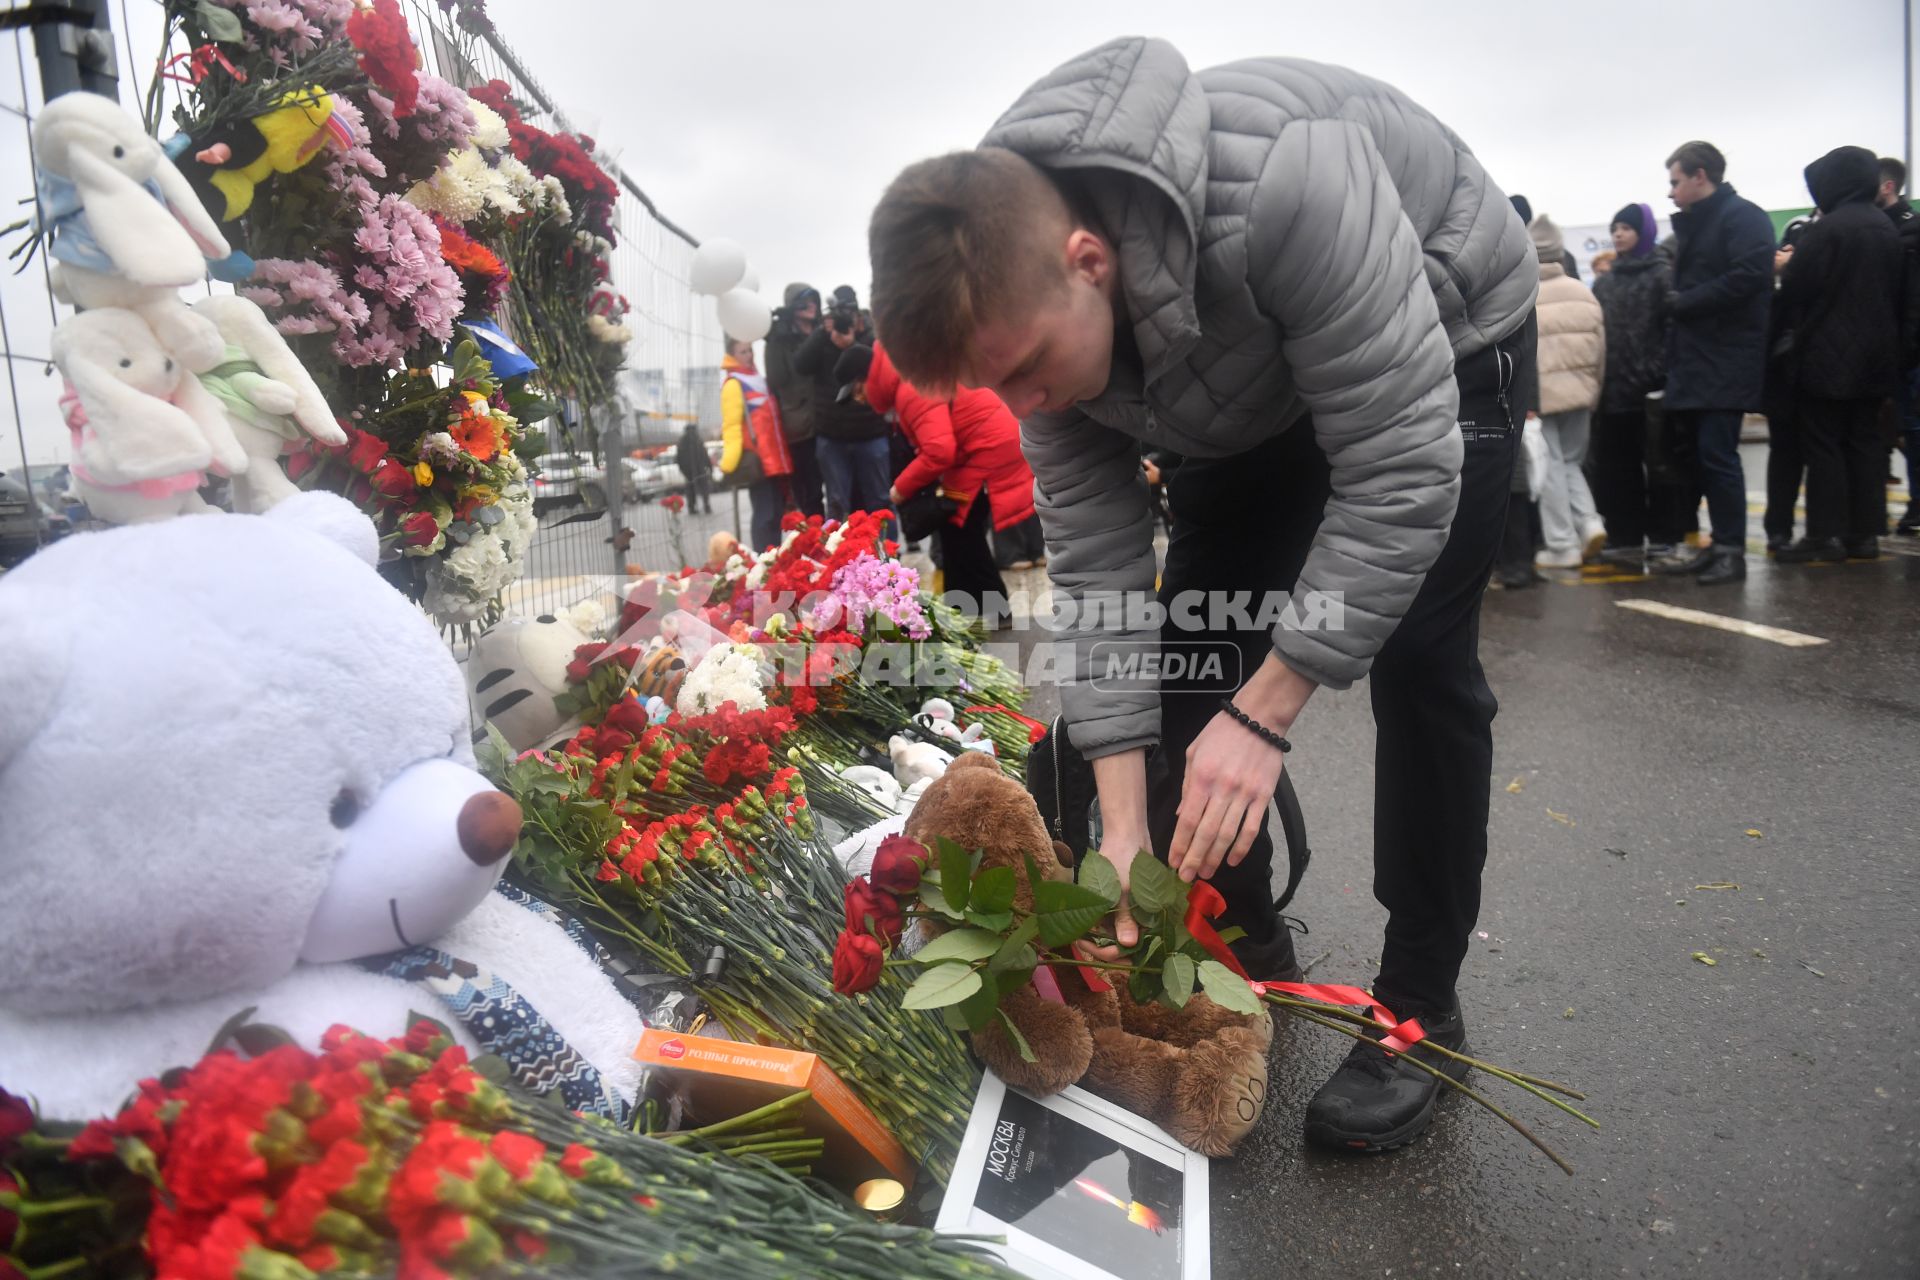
<point x="1841" y="292"/>
<point x="696" y="469"/>
<point x="797" y="393"/>
<point x="1524" y="207"/>
<point x="1892" y="199"/>
<point x="1639" y="510"/>
<point x="1572" y="353"/>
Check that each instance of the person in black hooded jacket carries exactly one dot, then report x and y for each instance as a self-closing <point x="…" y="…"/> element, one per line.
<point x="1841" y="294"/>
<point x="1643" y="515"/>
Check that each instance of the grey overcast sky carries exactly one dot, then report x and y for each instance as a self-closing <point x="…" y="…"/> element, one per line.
<point x="779" y="124"/>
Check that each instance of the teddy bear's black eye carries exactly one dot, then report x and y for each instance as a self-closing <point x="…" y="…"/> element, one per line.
<point x="125" y="363"/>
<point x="346" y="809"/>
<point x="119" y="153"/>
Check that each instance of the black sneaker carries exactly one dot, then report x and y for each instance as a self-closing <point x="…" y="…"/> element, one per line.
<point x="1684" y="560"/>
<point x="1909" y="524"/>
<point x="1375" y="1101"/>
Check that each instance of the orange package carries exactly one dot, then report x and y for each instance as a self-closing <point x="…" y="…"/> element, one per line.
<point x="729" y="1077"/>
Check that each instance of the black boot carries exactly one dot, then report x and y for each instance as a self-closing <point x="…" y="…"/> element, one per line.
<point x="1376" y="1101"/>
<point x="1909" y="523"/>
<point x="1863" y="549"/>
<point x="1272" y="958"/>
<point x="1729" y="564"/>
<point x="1812" y="551"/>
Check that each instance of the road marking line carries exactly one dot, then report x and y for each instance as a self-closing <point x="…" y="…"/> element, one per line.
<point x="1739" y="626"/>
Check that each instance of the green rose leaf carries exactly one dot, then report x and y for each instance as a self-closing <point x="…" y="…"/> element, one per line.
<point x="956" y="871"/>
<point x="977" y="1010"/>
<point x="1227" y="989"/>
<point x="991" y="921"/>
<point x="1066" y="911"/>
<point x="1015" y="945"/>
<point x="960" y="944"/>
<point x="932" y="899"/>
<point x="1154" y="887"/>
<point x="1176" y="979"/>
<point x="993" y="890"/>
<point x="1098" y="873"/>
<point x="940" y="986"/>
<point x="1013" y="1034"/>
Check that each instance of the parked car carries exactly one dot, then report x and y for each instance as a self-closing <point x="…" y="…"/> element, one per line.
<point x="23" y="523"/>
<point x="556" y="480"/>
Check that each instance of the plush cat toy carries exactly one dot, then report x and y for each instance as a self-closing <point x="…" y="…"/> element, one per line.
<point x="236" y="772"/>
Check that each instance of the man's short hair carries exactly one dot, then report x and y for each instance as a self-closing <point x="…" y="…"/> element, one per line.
<point x="1894" y="171"/>
<point x="957" y="241"/>
<point x="1696" y="157"/>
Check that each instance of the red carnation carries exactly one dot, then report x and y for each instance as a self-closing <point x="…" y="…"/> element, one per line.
<point x="386" y="53"/>
<point x="858" y="961"/>
<point x="898" y="865"/>
<point x="583" y="657"/>
<point x="870" y="909"/>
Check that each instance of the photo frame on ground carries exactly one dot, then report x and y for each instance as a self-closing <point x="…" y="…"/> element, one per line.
<point x="1080" y="1188"/>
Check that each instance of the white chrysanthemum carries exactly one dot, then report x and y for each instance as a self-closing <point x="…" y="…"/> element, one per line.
<point x="727" y="673"/>
<point x="466" y="581"/>
<point x="489" y="130"/>
<point x="554" y="196"/>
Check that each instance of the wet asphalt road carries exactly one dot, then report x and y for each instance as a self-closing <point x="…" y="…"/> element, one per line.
<point x="1761" y="1116"/>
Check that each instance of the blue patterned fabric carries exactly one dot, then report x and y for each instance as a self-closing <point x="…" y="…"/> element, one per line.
<point x="504" y="1023"/>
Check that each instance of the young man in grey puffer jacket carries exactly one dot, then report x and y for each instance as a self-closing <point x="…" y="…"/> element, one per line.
<point x="1303" y="283"/>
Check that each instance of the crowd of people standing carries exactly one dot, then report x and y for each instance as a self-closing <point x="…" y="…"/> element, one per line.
<point x="830" y="428"/>
<point x="1645" y="378"/>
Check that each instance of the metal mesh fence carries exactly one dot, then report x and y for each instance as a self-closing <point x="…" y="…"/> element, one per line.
<point x="671" y="378"/>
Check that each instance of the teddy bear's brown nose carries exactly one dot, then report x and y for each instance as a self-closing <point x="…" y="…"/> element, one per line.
<point x="489" y="824"/>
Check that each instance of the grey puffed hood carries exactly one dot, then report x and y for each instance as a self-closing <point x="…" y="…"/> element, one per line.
<point x="1295" y="243"/>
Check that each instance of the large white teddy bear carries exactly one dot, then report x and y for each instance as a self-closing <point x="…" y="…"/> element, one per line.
<point x="234" y="765"/>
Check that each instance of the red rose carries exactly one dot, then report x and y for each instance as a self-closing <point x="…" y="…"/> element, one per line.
<point x="627" y="715"/>
<point x="865" y="902"/>
<point x="365" y="450"/>
<point x="299" y="462"/>
<point x="583" y="657"/>
<point x="419" y="529"/>
<point x="898" y="865"/>
<point x="16" y="1118"/>
<point x="393" y="479"/>
<point x="857" y="963"/>
<point x="9" y="1221"/>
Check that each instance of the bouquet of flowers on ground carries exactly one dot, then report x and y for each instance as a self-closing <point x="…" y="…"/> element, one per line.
<point x="732" y="887"/>
<point x="400" y="1157"/>
<point x="992" y="946"/>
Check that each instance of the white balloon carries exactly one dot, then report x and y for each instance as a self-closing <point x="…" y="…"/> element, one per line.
<point x="717" y="267"/>
<point x="745" y="315"/>
<point x="750" y="281"/>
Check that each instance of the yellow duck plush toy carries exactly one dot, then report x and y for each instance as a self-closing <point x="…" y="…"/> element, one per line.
<point x="226" y="163"/>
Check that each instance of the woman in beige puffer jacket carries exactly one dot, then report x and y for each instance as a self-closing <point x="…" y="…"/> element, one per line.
<point x="1573" y="349"/>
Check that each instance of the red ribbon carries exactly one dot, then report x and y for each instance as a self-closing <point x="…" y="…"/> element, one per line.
<point x="1035" y="729"/>
<point x="200" y="62"/>
<point x="1204" y="902"/>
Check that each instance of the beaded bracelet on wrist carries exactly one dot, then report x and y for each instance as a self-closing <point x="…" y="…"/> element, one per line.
<point x="1271" y="738"/>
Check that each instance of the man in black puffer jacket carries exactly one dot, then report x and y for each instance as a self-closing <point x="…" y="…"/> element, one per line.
<point x="1841" y="292"/>
<point x="1717" y="345"/>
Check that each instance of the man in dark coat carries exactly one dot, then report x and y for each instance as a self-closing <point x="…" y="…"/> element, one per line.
<point x="1717" y="344"/>
<point x="1893" y="182"/>
<point x="797" y="393"/>
<point x="1841" y="295"/>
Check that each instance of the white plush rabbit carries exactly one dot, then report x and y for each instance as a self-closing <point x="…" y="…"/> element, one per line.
<point x="269" y="397"/>
<point x="144" y="430"/>
<point x="126" y="228"/>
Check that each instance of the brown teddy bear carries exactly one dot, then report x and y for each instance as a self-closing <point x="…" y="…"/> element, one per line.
<point x="1199" y="1072"/>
